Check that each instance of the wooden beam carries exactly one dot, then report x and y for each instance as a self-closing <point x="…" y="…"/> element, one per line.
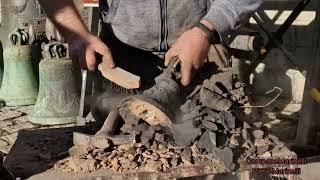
<point x="310" y="112"/>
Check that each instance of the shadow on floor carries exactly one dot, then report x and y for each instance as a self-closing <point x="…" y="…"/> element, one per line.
<point x="36" y="151"/>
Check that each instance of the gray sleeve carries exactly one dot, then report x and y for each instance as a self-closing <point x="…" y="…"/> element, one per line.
<point x="228" y="15"/>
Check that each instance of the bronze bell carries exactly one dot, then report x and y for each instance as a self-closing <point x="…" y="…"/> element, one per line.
<point x="58" y="99"/>
<point x="19" y="86"/>
<point x="156" y="105"/>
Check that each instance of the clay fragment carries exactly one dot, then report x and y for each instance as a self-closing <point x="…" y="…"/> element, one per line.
<point x="225" y="78"/>
<point x="210" y="125"/>
<point x="174" y="162"/>
<point x="186" y="155"/>
<point x="228" y="118"/>
<point x="257" y="134"/>
<point x="159" y="137"/>
<point x="207" y="141"/>
<point x="152" y="166"/>
<point x="213" y="100"/>
<point x="148" y="134"/>
<point x="225" y="155"/>
<point x="186" y="133"/>
<point x="189" y="106"/>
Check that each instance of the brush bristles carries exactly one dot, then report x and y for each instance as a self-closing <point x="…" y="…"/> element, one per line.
<point x="121" y="90"/>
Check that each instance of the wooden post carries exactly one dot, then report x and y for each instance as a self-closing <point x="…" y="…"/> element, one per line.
<point x="310" y="113"/>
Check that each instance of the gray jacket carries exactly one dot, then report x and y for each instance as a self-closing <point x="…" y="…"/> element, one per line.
<point x="154" y="25"/>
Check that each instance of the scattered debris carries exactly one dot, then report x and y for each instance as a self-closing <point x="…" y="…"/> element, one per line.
<point x="101" y="142"/>
<point x="209" y="130"/>
<point x="208" y="141"/>
<point x="225" y="155"/>
<point x="186" y="133"/>
<point x="229" y="119"/>
<point x="213" y="100"/>
<point x="159" y="137"/>
<point x="210" y="125"/>
<point x="257" y="134"/>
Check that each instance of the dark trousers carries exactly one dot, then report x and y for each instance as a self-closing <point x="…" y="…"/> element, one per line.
<point x="139" y="62"/>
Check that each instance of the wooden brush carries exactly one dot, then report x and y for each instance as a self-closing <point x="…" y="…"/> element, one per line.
<point x="122" y="81"/>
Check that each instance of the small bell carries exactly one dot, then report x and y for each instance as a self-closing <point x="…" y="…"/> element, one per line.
<point x="156" y="106"/>
<point x="19" y="86"/>
<point x="58" y="99"/>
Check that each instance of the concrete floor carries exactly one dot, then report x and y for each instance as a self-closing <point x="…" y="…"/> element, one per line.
<point x="13" y="120"/>
<point x="30" y="148"/>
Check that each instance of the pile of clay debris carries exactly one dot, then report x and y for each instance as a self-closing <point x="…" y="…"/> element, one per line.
<point x="209" y="130"/>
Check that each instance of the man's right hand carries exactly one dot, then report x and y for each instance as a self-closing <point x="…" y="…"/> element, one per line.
<point x="84" y="49"/>
<point x="83" y="46"/>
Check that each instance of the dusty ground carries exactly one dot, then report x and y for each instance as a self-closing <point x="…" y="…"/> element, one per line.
<point x="281" y="117"/>
<point x="30" y="148"/>
<point x="33" y="149"/>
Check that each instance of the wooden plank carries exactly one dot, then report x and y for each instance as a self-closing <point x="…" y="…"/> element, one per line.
<point x="101" y="141"/>
<point x="200" y="171"/>
<point x="120" y="77"/>
<point x="176" y="173"/>
<point x="246" y="170"/>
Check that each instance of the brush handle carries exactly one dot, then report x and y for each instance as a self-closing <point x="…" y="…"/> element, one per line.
<point x="83" y="92"/>
<point x="120" y="77"/>
<point x="173" y="69"/>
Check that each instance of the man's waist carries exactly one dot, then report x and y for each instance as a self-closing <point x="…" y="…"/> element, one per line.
<point x="149" y="25"/>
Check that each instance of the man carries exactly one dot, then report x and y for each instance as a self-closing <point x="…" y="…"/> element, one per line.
<point x="177" y="28"/>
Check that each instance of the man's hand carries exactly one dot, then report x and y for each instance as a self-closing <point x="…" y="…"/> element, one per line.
<point x="84" y="49"/>
<point x="83" y="46"/>
<point x="192" y="49"/>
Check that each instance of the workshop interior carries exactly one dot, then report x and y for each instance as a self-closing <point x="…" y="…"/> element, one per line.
<point x="251" y="112"/>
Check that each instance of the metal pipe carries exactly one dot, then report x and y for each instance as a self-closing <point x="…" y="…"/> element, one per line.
<point x="293" y="16"/>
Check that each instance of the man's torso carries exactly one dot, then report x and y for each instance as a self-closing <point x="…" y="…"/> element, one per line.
<point x="152" y="25"/>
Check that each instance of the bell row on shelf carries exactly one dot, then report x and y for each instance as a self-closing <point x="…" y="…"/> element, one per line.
<point x="56" y="96"/>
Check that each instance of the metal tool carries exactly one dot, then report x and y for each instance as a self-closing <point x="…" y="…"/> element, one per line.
<point x="81" y="120"/>
<point x="172" y="71"/>
<point x="106" y="134"/>
<point x="110" y="123"/>
<point x="275" y="40"/>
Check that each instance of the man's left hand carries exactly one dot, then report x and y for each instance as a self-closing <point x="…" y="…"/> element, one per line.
<point x="192" y="49"/>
